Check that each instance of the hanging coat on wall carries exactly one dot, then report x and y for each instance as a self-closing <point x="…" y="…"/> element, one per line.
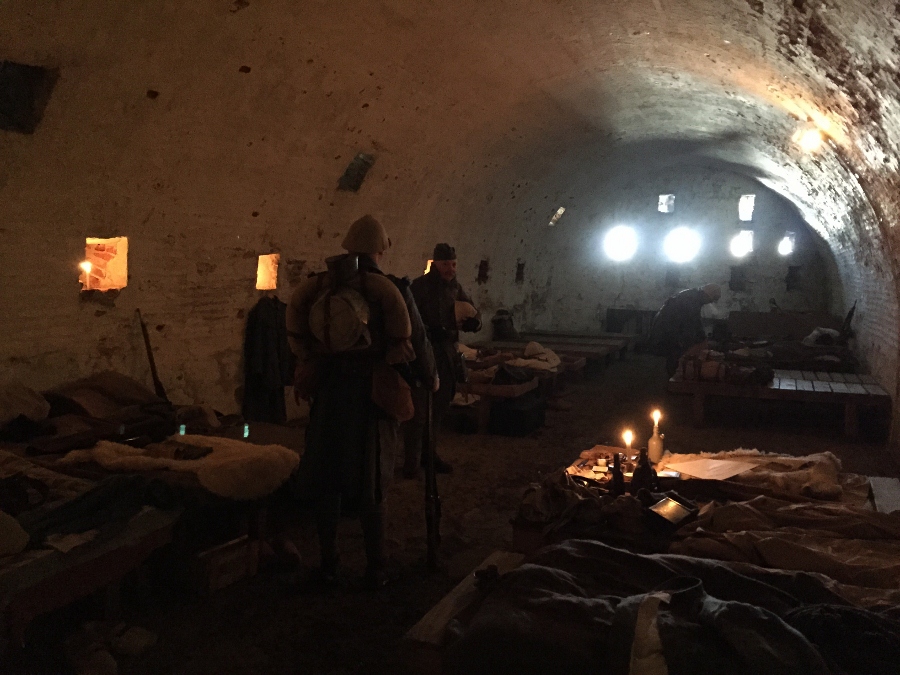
<point x="268" y="362"/>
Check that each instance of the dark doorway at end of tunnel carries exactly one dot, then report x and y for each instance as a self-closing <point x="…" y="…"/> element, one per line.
<point x="673" y="277"/>
<point x="520" y="272"/>
<point x="738" y="280"/>
<point x="792" y="280"/>
<point x="483" y="271"/>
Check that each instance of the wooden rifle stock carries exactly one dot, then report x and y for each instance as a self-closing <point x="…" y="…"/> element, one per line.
<point x="432" y="499"/>
<point x="157" y="383"/>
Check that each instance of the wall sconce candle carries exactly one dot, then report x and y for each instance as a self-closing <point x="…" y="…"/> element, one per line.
<point x="86" y="267"/>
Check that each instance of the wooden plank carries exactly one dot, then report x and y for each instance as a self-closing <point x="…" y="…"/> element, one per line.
<point x="837" y="377"/>
<point x="808" y="375"/>
<point x="498" y="390"/>
<point x="875" y="390"/>
<point x="856" y="388"/>
<point x="867" y="379"/>
<point x="886" y="492"/>
<point x="788" y="384"/>
<point x="431" y="628"/>
<point x="795" y="374"/>
<point x="823" y="377"/>
<point x="781" y="373"/>
<point x="851" y="378"/>
<point x="839" y="388"/>
<point x="818" y="385"/>
<point x="804" y="385"/>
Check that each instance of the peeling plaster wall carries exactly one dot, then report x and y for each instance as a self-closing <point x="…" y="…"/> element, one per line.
<point x="483" y="116"/>
<point x="569" y="283"/>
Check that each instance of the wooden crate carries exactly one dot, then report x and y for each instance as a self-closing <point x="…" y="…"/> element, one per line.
<point x="227" y="563"/>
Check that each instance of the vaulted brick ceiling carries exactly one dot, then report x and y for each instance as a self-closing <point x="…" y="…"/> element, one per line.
<point x="484" y="116"/>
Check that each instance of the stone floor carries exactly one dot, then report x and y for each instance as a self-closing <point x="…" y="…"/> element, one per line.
<point x="266" y="625"/>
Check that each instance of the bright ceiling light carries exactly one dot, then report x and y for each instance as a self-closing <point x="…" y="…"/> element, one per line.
<point x="620" y="243"/>
<point x="681" y="245"/>
<point x="786" y="245"/>
<point x="809" y="139"/>
<point x="742" y="243"/>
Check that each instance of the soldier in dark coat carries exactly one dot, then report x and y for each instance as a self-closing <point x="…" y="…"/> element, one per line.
<point x="439" y="298"/>
<point x="677" y="326"/>
<point x="351" y="441"/>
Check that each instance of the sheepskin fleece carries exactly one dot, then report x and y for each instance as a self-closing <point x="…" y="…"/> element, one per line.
<point x="817" y="476"/>
<point x="234" y="469"/>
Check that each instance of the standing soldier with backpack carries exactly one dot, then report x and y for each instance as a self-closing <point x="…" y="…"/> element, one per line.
<point x="359" y="342"/>
<point x="446" y="309"/>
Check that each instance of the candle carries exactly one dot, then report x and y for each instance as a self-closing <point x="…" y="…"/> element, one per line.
<point x="628" y="437"/>
<point x="655" y="442"/>
<point x="86" y="267"/>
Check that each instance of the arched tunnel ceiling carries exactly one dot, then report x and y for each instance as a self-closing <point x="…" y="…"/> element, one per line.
<point x="484" y="117"/>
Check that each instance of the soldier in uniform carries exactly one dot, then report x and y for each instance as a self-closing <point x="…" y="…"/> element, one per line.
<point x="439" y="298"/>
<point x="351" y="440"/>
<point x="677" y="325"/>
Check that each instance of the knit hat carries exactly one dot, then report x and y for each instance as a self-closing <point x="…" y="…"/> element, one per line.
<point x="366" y="235"/>
<point x="713" y="292"/>
<point x="444" y="252"/>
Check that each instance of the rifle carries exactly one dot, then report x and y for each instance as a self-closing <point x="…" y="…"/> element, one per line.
<point x="157" y="383"/>
<point x="432" y="499"/>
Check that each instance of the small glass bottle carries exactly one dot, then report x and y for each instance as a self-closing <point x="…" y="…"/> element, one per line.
<point x="644" y="477"/>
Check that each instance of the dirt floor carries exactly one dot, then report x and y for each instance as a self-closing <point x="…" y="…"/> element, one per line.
<point x="272" y="624"/>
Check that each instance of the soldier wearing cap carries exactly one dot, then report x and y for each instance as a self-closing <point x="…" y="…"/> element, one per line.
<point x="677" y="326"/>
<point x="446" y="309"/>
<point x="350" y="370"/>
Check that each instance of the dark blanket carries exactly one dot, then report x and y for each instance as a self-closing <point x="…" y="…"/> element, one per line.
<point x="573" y="609"/>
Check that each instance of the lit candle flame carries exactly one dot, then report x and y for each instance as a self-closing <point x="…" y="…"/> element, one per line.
<point x="656" y="415"/>
<point x="86" y="266"/>
<point x="628" y="437"/>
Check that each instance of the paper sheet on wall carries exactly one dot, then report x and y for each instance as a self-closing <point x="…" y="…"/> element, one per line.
<point x="712" y="469"/>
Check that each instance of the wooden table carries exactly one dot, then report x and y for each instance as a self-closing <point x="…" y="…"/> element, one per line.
<point x="493" y="392"/>
<point x="853" y="391"/>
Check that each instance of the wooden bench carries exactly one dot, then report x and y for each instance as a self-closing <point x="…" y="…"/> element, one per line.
<point x="853" y="391"/>
<point x="589" y="351"/>
<point x="627" y="340"/>
<point x="423" y="642"/>
<point x="493" y="392"/>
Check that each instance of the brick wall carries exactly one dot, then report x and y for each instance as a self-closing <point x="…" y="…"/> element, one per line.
<point x="211" y="133"/>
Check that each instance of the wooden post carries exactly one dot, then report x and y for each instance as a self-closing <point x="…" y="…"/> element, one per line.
<point x="699" y="399"/>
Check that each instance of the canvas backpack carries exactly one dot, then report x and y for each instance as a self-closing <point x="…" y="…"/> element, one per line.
<point x="340" y="315"/>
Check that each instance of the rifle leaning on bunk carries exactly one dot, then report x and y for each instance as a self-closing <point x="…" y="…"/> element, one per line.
<point x="432" y="499"/>
<point x="157" y="383"/>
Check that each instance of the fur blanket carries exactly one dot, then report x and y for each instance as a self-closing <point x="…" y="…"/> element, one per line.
<point x="234" y="469"/>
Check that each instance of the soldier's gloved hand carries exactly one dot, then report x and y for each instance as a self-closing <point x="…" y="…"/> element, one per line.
<point x="436" y="385"/>
<point x="471" y="325"/>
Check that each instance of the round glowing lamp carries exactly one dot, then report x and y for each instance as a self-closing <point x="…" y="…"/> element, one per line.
<point x="620" y="243"/>
<point x="742" y="244"/>
<point x="681" y="245"/>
